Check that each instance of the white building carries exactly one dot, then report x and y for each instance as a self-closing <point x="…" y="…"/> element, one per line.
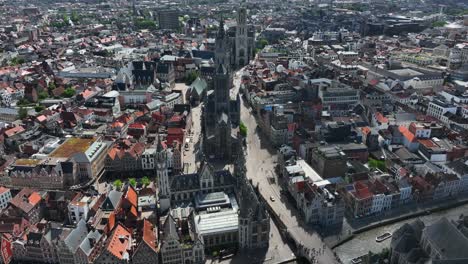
<point x="338" y="98"/>
<point x="405" y="191"/>
<point x="438" y="108"/>
<point x="347" y="56"/>
<point x="148" y="160"/>
<point x="78" y="208"/>
<point x="377" y="203"/>
<point x="5" y="197"/>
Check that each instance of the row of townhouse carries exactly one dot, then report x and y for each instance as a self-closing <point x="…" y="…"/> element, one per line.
<point x="318" y="200"/>
<point x="375" y="195"/>
<point x="382" y="193"/>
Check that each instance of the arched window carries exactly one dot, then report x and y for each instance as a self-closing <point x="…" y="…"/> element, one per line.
<point x="241" y="53"/>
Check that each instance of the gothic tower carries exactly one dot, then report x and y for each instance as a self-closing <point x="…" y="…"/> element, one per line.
<point x="242" y="51"/>
<point x="221" y="50"/>
<point x="163" y="177"/>
<point x="219" y="109"/>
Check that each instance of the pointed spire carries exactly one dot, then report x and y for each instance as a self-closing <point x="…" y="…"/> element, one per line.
<point x="159" y="147"/>
<point x="221" y="32"/>
<point x="221" y="69"/>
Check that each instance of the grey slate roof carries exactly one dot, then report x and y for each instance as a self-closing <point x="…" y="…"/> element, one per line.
<point x="185" y="182"/>
<point x="86" y="246"/>
<point x="447" y="239"/>
<point x="76" y="236"/>
<point x="112" y="200"/>
<point x="459" y="166"/>
<point x="170" y="228"/>
<point x="199" y="85"/>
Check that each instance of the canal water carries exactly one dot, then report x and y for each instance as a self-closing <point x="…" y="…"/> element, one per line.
<point x="365" y="242"/>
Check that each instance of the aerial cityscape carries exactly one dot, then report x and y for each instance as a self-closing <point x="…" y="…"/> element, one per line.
<point x="234" y="131"/>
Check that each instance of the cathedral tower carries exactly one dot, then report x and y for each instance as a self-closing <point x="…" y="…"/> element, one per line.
<point x="242" y="50"/>
<point x="163" y="177"/>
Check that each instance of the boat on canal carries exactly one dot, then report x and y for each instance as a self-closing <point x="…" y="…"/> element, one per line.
<point x="383" y="237"/>
<point x="358" y="260"/>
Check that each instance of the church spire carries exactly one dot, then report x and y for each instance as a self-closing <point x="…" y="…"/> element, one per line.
<point x="221" y="32"/>
<point x="221" y="51"/>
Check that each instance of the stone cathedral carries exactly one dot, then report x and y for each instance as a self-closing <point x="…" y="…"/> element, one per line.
<point x="221" y="113"/>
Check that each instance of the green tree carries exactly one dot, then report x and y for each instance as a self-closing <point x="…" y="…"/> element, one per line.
<point x="118" y="184"/>
<point x="43" y="95"/>
<point x="51" y="86"/>
<point x="145" y="24"/>
<point x="438" y="23"/>
<point x="75" y="17"/>
<point x="145" y="181"/>
<point x="39" y="108"/>
<point x="23" y="101"/>
<point x="379" y="164"/>
<point x="243" y="129"/>
<point x="132" y="182"/>
<point x="191" y="77"/>
<point x="16" y="61"/>
<point x="262" y="43"/>
<point x="69" y="92"/>
<point x="22" y="113"/>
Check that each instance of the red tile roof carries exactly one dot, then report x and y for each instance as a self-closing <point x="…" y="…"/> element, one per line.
<point x="34" y="198"/>
<point x="137" y="126"/>
<point x="132" y="196"/>
<point x="120" y="242"/>
<point x="362" y="191"/>
<point x="134" y="150"/>
<point x="365" y="130"/>
<point x="3" y="190"/>
<point x="382" y="119"/>
<point x="149" y="236"/>
<point x="14" y="130"/>
<point x="428" y="143"/>
<point x="175" y="131"/>
<point x="407" y="134"/>
<point x="26" y="200"/>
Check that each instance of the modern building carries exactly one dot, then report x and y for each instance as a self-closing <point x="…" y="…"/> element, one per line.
<point x="438" y="108"/>
<point x="87" y="154"/>
<point x="217" y="219"/>
<point x="169" y="19"/>
<point x="329" y="162"/>
<point x="338" y="99"/>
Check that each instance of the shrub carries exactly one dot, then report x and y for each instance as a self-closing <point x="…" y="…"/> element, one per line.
<point x="132" y="182"/>
<point x="118" y="184"/>
<point x="243" y="129"/>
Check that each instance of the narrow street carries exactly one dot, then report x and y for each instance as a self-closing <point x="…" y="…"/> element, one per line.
<point x="261" y="160"/>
